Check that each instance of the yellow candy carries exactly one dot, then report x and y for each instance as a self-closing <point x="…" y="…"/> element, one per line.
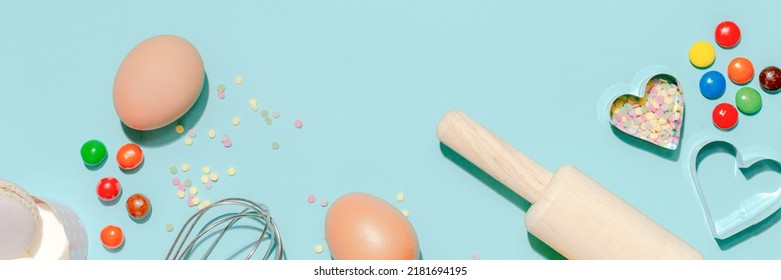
<point x="702" y="54"/>
<point x="231" y="171"/>
<point x="179" y="129"/>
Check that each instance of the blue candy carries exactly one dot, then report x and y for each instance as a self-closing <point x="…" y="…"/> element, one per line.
<point x="712" y="84"/>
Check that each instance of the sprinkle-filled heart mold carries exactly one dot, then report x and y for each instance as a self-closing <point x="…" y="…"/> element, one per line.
<point x="656" y="116"/>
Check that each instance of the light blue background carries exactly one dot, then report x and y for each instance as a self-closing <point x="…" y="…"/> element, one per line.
<point x="370" y="80"/>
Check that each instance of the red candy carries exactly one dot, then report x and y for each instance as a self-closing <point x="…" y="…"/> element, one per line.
<point x="130" y="156"/>
<point x="138" y="206"/>
<point x="725" y="116"/>
<point x="112" y="237"/>
<point x="108" y="189"/>
<point x="727" y="34"/>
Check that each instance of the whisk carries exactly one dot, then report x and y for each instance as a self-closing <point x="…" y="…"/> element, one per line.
<point x="257" y="214"/>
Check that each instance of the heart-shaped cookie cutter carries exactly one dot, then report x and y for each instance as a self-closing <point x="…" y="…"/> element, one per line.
<point x="638" y="89"/>
<point x="752" y="210"/>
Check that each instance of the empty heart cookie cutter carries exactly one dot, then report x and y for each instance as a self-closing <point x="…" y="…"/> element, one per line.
<point x="650" y="109"/>
<point x="754" y="207"/>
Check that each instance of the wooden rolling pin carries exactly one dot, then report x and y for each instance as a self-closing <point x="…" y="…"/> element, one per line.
<point x="570" y="212"/>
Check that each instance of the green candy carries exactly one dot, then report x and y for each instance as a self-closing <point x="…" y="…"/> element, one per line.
<point x="748" y="100"/>
<point x="93" y="152"/>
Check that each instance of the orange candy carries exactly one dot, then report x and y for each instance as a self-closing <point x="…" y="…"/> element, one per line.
<point x="740" y="70"/>
<point x="112" y="237"/>
<point x="129" y="156"/>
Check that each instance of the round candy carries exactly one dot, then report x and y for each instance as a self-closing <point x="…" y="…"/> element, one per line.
<point x="770" y="78"/>
<point x="93" y="152"/>
<point x="712" y="84"/>
<point x="748" y="100"/>
<point x="129" y="156"/>
<point x="725" y="116"/>
<point x="727" y="34"/>
<point x="112" y="237"/>
<point x="108" y="188"/>
<point x="740" y="70"/>
<point x="138" y="206"/>
<point x="702" y="54"/>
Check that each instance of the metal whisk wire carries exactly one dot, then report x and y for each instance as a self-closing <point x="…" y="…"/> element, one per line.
<point x="252" y="211"/>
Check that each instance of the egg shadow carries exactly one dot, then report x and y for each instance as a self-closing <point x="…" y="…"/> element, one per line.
<point x="537" y="245"/>
<point x="167" y="134"/>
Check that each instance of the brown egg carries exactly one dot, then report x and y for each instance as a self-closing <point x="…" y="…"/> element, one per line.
<point x="361" y="226"/>
<point x="158" y="82"/>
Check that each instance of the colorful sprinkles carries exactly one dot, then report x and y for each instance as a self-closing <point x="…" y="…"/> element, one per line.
<point x="221" y="91"/>
<point x="226" y="141"/>
<point x="656" y="118"/>
<point x="253" y="104"/>
<point x="193" y="196"/>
